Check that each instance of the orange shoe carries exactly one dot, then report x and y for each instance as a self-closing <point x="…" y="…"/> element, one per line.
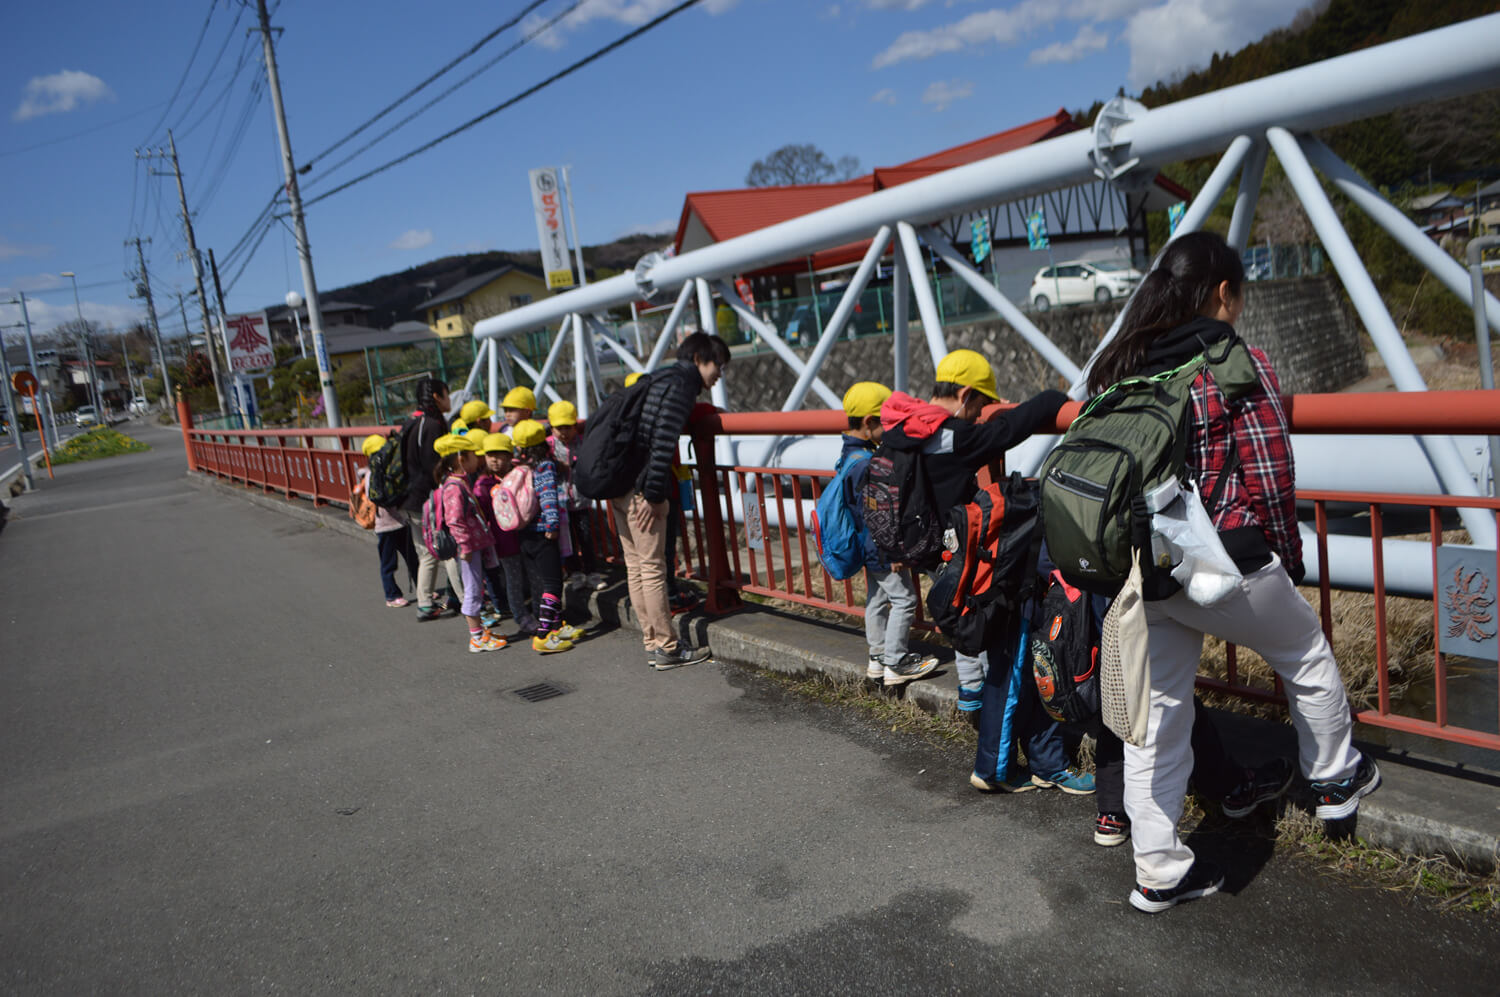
<point x="486" y="641"/>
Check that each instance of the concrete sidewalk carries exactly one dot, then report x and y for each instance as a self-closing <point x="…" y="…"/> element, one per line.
<point x="1425" y="806"/>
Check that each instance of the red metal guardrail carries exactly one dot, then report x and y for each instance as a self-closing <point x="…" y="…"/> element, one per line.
<point x="716" y="547"/>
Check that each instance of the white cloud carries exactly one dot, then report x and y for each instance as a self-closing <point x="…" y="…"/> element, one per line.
<point x="10" y="250"/>
<point x="413" y="238"/>
<point x="633" y="13"/>
<point x="885" y="96"/>
<point x="1179" y="35"/>
<point x="1089" y="39"/>
<point x="33" y="283"/>
<point x="60" y="92"/>
<point x="944" y="92"/>
<point x="1003" y="27"/>
<point x="896" y="4"/>
<point x="46" y="316"/>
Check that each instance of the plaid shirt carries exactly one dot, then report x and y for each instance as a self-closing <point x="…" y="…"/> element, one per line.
<point x="1263" y="493"/>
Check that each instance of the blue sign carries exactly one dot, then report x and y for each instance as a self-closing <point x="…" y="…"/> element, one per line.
<point x="1174" y="215"/>
<point x="1036" y="230"/>
<point x="979" y="238"/>
<point x="1466" y="602"/>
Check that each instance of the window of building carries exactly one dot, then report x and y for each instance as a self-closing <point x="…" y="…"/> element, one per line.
<point x="517" y="300"/>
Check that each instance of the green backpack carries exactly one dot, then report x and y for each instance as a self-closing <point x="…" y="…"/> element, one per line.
<point x="1129" y="440"/>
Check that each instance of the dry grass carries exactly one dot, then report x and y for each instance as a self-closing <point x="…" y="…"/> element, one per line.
<point x="898" y="714"/>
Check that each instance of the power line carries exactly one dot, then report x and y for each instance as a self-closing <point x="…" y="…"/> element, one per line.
<point x="416" y="89"/>
<point x="540" y="30"/>
<point x="213" y="5"/>
<point x="586" y="60"/>
<point x="240" y="64"/>
<point x="212" y="66"/>
<point x="80" y="134"/>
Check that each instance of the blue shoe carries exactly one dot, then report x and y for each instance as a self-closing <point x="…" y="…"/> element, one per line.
<point x="1069" y="781"/>
<point x="489" y="619"/>
<point x="969" y="700"/>
<point x="1019" y="781"/>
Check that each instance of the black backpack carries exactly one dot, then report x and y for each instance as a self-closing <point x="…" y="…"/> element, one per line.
<point x="609" y="459"/>
<point x="388" y="484"/>
<point x="901" y="510"/>
<point x="1065" y="652"/>
<point x="990" y="550"/>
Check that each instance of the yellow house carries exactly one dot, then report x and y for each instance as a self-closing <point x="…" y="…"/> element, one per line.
<point x="454" y="312"/>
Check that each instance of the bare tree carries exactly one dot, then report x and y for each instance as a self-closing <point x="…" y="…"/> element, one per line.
<point x="800" y="164"/>
<point x="1279" y="218"/>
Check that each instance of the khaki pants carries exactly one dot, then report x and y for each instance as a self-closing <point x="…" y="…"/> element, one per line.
<point x="429" y="567"/>
<point x="646" y="568"/>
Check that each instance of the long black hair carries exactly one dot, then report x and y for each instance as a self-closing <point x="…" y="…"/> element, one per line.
<point x="428" y="388"/>
<point x="1176" y="291"/>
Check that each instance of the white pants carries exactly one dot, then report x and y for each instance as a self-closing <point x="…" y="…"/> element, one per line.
<point x="1268" y="616"/>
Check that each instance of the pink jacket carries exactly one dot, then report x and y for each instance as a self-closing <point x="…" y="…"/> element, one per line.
<point x="469" y="531"/>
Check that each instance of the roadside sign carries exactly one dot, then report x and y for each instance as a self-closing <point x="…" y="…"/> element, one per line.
<point x="547" y="203"/>
<point x="1174" y="216"/>
<point x="979" y="238"/>
<point x="1036" y="230"/>
<point x="248" y="337"/>
<point x="24" y="382"/>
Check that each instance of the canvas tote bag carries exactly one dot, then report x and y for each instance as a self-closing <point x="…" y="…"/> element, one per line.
<point x="1124" y="671"/>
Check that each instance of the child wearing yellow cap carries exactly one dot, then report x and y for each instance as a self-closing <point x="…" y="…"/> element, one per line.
<point x="540" y="549"/>
<point x="890" y="592"/>
<point x="392" y="536"/>
<point x="581" y="563"/>
<point x="507" y="577"/>
<point x="517" y="406"/>
<point x="459" y="459"/>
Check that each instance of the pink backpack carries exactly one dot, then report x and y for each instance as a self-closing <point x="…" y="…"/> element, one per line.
<point x="514" y="499"/>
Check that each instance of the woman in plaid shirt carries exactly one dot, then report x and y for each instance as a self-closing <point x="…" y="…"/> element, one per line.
<point x="1190" y="301"/>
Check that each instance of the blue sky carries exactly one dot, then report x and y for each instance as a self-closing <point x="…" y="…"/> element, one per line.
<point x="688" y="106"/>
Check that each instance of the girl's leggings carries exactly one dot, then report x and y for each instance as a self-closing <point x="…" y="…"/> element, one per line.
<point x="544" y="566"/>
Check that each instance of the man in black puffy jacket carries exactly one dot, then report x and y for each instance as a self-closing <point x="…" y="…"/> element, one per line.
<point x="641" y="516"/>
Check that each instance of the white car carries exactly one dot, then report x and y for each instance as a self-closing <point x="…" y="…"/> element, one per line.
<point x="86" y="416"/>
<point x="1078" y="282"/>
<point x="139" y="405"/>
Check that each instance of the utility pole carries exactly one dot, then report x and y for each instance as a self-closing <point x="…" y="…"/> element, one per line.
<point x="239" y="403"/>
<point x="187" y="224"/>
<point x="45" y="423"/>
<point x="161" y="354"/>
<point x="299" y="225"/>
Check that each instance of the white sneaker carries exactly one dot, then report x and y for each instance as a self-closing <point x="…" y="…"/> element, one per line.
<point x="876" y="668"/>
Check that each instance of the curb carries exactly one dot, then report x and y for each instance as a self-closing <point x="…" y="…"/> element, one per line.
<point x="1422" y="808"/>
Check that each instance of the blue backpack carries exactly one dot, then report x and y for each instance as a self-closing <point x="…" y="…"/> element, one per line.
<point x="840" y="545"/>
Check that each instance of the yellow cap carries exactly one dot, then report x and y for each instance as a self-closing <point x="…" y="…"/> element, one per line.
<point x="475" y="410"/>
<point x="450" y="443"/>
<point x="633" y="377"/>
<point x="969" y="369"/>
<point x="372" y="444"/>
<point x="460" y="427"/>
<point x="562" y="414"/>
<point x="529" y="433"/>
<point x="496" y="443"/>
<point x="519" y="398"/>
<point x="864" y="399"/>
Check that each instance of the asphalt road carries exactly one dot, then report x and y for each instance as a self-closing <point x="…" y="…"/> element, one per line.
<point x="228" y="768"/>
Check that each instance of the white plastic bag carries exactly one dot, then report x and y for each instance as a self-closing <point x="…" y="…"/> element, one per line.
<point x="1182" y="533"/>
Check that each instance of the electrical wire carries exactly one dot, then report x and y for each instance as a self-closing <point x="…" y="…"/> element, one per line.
<point x="540" y="30"/>
<point x="202" y="32"/>
<point x="213" y="65"/>
<point x="420" y="86"/>
<point x="206" y="194"/>
<point x="229" y="287"/>
<point x="529" y="91"/>
<point x="239" y="68"/>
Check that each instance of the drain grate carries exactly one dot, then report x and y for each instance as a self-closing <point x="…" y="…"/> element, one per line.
<point x="540" y="691"/>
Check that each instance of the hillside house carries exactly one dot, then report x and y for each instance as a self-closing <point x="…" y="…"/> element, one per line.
<point x="452" y="312"/>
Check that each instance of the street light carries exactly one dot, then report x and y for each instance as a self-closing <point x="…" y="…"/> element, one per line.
<point x="294" y="302"/>
<point x="88" y="350"/>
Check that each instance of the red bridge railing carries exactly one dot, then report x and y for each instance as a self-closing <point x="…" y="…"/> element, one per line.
<point x="770" y="552"/>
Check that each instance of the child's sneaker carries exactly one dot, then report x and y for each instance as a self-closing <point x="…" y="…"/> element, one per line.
<point x="1201" y="880"/>
<point x="682" y="601"/>
<point x="1337" y="800"/>
<point x="876" y="668"/>
<point x="1260" y="785"/>
<point x="570" y="633"/>
<point x="1111" y="830"/>
<point x="550" y="643"/>
<point x="489" y="617"/>
<point x="1019" y="781"/>
<point x="426" y="613"/>
<point x="485" y="641"/>
<point x="1068" y="780"/>
<point x="597" y="581"/>
<point x="912" y="666"/>
<point x="397" y="602"/>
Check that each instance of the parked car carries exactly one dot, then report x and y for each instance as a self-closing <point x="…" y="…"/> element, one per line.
<point x="139" y="405"/>
<point x="1078" y="282"/>
<point x="86" y="416"/>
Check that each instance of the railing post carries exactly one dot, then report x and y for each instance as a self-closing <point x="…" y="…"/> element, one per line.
<point x="723" y="596"/>
<point x="185" y="417"/>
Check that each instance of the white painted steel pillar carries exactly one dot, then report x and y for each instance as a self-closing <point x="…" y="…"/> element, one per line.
<point x="916" y="268"/>
<point x="1008" y="311"/>
<point x="543" y="378"/>
<point x="580" y="368"/>
<point x="900" y="333"/>
<point x="542" y="386"/>
<point x="840" y="317"/>
<point x="777" y="344"/>
<point x="626" y="357"/>
<point x="1393" y="220"/>
<point x="1251" y="175"/>
<point x="669" y="331"/>
<point x="494" y="357"/>
<point x="706" y="322"/>
<point x="1441" y="451"/>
